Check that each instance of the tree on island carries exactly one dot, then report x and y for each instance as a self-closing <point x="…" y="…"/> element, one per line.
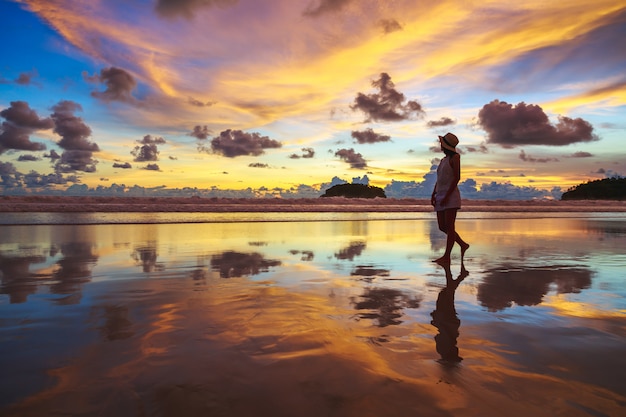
<point x="355" y="191"/>
<point x="606" y="189"/>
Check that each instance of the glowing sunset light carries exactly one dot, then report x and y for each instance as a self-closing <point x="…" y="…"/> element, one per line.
<point x="298" y="95"/>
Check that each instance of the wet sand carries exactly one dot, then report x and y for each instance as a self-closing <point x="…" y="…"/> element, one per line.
<point x="313" y="319"/>
<point x="333" y="204"/>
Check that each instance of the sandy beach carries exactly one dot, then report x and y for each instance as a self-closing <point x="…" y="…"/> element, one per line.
<point x="15" y="204"/>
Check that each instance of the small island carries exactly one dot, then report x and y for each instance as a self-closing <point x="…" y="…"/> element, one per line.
<point x="355" y="191"/>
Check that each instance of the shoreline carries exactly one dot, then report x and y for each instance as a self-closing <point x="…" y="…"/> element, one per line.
<point x="65" y="204"/>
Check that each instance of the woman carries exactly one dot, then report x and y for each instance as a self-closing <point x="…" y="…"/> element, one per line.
<point x="446" y="197"/>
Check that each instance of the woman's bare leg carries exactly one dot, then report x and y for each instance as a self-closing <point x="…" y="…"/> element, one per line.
<point x="446" y="220"/>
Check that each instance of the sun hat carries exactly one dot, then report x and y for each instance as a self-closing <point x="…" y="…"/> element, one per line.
<point x="449" y="141"/>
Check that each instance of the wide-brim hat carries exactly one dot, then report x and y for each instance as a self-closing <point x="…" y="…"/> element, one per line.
<point x="449" y="141"/>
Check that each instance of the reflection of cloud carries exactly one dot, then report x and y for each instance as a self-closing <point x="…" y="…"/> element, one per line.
<point x="116" y="325"/>
<point x="74" y="268"/>
<point x="236" y="264"/>
<point x="15" y="277"/>
<point x="147" y="257"/>
<point x="355" y="249"/>
<point x="385" y="305"/>
<point x="307" y="255"/>
<point x="527" y="286"/>
<point x="368" y="272"/>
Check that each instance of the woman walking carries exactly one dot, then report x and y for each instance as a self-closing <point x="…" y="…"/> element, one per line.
<point x="446" y="197"/>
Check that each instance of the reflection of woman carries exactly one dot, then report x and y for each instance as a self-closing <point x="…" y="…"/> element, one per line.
<point x="445" y="318"/>
<point x="446" y="197"/>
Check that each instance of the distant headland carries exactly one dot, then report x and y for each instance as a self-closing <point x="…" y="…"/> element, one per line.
<point x="605" y="189"/>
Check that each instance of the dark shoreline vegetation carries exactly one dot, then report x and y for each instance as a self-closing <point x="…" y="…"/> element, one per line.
<point x="605" y="189"/>
<point x="73" y="204"/>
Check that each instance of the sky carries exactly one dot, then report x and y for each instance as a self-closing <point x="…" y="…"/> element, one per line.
<point x="285" y="97"/>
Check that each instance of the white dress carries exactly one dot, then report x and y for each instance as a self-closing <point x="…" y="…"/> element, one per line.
<point x="445" y="177"/>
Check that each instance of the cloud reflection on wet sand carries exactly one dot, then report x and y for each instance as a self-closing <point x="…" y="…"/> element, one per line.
<point x="319" y="319"/>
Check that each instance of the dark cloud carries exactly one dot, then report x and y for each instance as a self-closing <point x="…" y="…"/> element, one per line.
<point x="581" y="155"/>
<point x="355" y="160"/>
<point x="482" y="148"/>
<point x="388" y="104"/>
<point x="7" y="168"/>
<point x="200" y="132"/>
<point x="325" y="6"/>
<point x="258" y="165"/>
<point x="28" y="157"/>
<point x="198" y="103"/>
<point x="9" y="176"/>
<point x="186" y="8"/>
<point x="20" y="114"/>
<point x="233" y="143"/>
<point x="147" y="151"/>
<point x="78" y="150"/>
<point x="444" y="121"/>
<point x="25" y="78"/>
<point x="369" y="136"/>
<point x="53" y="155"/>
<point x="527" y="124"/>
<point x="20" y="122"/>
<point x="306" y="153"/>
<point x="119" y="85"/>
<point x="152" y="167"/>
<point x="35" y="180"/>
<point x="152" y="140"/>
<point x="76" y="160"/>
<point x="16" y="137"/>
<point x="389" y="25"/>
<point x="125" y="165"/>
<point x="73" y="131"/>
<point x="527" y="158"/>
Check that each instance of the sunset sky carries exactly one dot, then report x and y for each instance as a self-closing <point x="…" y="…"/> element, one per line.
<point x="287" y="94"/>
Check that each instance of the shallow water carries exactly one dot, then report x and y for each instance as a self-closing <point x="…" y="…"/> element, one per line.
<point x="314" y="318"/>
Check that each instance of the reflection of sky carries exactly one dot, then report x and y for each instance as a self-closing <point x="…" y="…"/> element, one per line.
<point x="400" y="248"/>
<point x="364" y="282"/>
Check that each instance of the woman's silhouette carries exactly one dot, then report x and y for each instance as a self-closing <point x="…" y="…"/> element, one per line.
<point x="446" y="197"/>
